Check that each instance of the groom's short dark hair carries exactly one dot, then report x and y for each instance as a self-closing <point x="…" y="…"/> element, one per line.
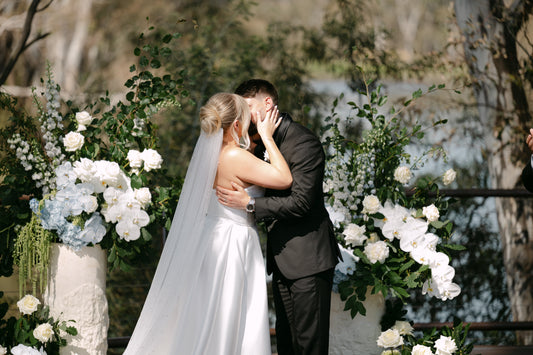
<point x="252" y="87"/>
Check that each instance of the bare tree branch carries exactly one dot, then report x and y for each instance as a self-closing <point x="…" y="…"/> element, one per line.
<point x="22" y="44"/>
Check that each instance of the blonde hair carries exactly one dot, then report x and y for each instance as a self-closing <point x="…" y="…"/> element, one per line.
<point x="221" y="110"/>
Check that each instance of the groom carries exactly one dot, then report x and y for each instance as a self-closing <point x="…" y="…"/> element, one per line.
<point x="301" y="248"/>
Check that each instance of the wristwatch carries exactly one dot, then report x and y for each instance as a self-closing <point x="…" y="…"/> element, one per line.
<point x="250" y="207"/>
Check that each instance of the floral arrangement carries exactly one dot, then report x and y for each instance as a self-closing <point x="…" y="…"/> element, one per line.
<point x="34" y="332"/>
<point x="393" y="239"/>
<point x="399" y="340"/>
<point x="88" y="173"/>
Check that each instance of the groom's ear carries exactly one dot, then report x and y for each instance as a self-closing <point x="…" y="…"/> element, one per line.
<point x="269" y="103"/>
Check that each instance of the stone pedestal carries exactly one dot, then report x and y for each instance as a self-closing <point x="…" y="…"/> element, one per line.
<point x="76" y="291"/>
<point x="355" y="336"/>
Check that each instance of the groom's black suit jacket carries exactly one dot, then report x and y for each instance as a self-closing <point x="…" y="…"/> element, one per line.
<point x="527" y="177"/>
<point x="300" y="239"/>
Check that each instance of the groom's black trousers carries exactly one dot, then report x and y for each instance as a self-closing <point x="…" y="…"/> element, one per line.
<point x="302" y="313"/>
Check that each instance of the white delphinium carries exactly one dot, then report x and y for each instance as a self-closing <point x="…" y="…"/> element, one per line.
<point x="449" y="177"/>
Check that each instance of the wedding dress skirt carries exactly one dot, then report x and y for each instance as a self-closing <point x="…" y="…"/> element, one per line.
<point x="223" y="311"/>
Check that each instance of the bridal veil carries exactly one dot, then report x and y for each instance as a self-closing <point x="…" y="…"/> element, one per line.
<point x="178" y="266"/>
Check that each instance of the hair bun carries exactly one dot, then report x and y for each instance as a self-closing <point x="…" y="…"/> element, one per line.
<point x="210" y="121"/>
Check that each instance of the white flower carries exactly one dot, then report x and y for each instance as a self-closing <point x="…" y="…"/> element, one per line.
<point x="85" y="169"/>
<point x="354" y="234"/>
<point x="89" y="203"/>
<point x="3" y="351"/>
<point x="402" y="174"/>
<point x="73" y="141"/>
<point x="26" y="350"/>
<point x="128" y="230"/>
<point x="347" y="265"/>
<point x="449" y="176"/>
<point x="390" y="352"/>
<point x="109" y="174"/>
<point x="431" y="212"/>
<point x="152" y="159"/>
<point x="44" y="332"/>
<point x="84" y="119"/>
<point x="378" y="251"/>
<point x="421" y="350"/>
<point x="135" y="159"/>
<point x="143" y="195"/>
<point x="28" y="304"/>
<point x="403" y="327"/>
<point x="445" y="346"/>
<point x="390" y="339"/>
<point x="371" y="204"/>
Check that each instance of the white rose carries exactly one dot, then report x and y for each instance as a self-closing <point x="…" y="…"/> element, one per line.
<point x="431" y="212"/>
<point x="3" y="351"/>
<point x="421" y="350"/>
<point x="354" y="234"/>
<point x="390" y="352"/>
<point x="143" y="195"/>
<point x="73" y="141"/>
<point x="152" y="159"/>
<point x="44" y="332"/>
<point x="371" y="204"/>
<point x="449" y="176"/>
<point x="445" y="346"/>
<point x="390" y="339"/>
<point x="135" y="159"/>
<point x="84" y="119"/>
<point x="403" y="327"/>
<point x="378" y="251"/>
<point x="28" y="304"/>
<point x="26" y="350"/>
<point x="402" y="174"/>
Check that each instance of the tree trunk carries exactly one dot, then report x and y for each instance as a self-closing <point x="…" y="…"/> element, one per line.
<point x="490" y="51"/>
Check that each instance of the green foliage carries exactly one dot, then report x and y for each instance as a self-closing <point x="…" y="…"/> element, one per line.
<point x="217" y="52"/>
<point x="15" y="331"/>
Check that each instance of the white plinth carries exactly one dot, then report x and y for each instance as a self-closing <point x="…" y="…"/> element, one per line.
<point x="76" y="291"/>
<point x="355" y="336"/>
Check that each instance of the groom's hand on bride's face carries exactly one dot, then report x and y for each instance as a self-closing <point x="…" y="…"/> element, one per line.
<point x="237" y="198"/>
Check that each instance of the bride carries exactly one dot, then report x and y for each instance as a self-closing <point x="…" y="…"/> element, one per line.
<point x="209" y="292"/>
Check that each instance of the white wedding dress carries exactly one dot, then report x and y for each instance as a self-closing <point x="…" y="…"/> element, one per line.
<point x="208" y="296"/>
